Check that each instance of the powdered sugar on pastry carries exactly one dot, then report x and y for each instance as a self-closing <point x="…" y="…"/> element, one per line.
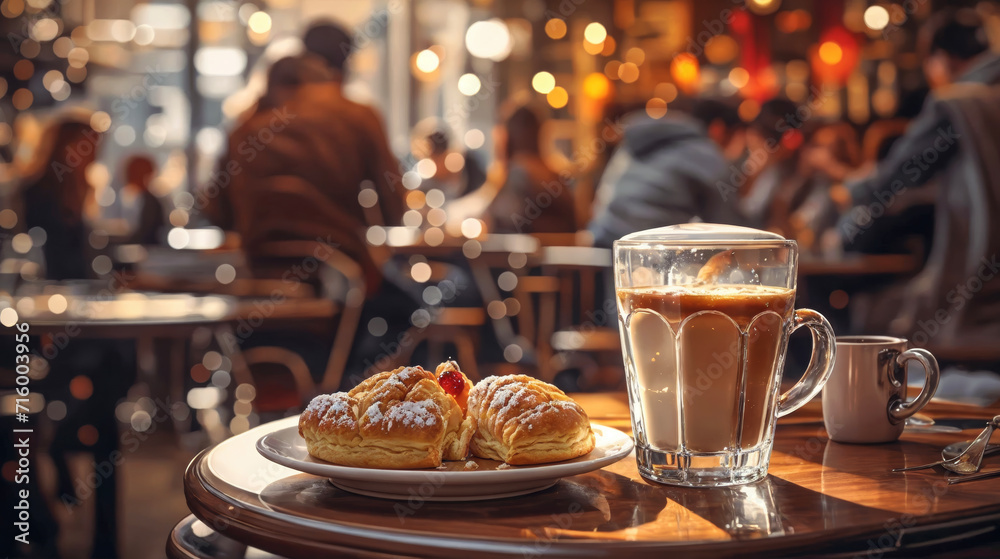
<point x="522" y="420"/>
<point x="395" y="419"/>
<point x="374" y="414"/>
<point x="333" y="410"/>
<point x="413" y="413"/>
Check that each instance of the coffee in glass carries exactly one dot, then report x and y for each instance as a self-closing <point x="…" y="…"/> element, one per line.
<point x="705" y="313"/>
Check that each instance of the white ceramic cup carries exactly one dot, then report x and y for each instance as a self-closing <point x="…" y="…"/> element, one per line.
<point x="865" y="399"/>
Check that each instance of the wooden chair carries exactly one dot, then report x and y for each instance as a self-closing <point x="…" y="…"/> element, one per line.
<point x="342" y="284"/>
<point x="289" y="226"/>
<point x="458" y="326"/>
<point x="575" y="323"/>
<point x="270" y="367"/>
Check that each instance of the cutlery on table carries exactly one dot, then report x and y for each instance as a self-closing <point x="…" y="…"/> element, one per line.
<point x="977" y="477"/>
<point x="969" y="461"/>
<point x="954" y="449"/>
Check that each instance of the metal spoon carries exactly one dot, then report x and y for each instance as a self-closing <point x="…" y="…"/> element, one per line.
<point x="954" y="449"/>
<point x="969" y="461"/>
<point x="977" y="477"/>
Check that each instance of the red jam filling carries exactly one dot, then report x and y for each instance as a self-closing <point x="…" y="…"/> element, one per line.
<point x="452" y="382"/>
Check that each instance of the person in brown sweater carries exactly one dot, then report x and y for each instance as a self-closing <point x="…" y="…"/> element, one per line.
<point x="296" y="166"/>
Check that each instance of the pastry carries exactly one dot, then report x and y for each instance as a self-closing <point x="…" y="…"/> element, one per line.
<point x="522" y="420"/>
<point x="395" y="420"/>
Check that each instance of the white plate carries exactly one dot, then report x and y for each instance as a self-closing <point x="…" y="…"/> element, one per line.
<point x="451" y="483"/>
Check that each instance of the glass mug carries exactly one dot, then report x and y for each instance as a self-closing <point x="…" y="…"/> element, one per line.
<point x="705" y="312"/>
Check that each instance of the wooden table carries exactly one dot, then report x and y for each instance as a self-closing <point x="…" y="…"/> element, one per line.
<point x="821" y="498"/>
<point x="859" y="265"/>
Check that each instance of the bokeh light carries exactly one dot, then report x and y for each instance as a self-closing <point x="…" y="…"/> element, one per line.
<point x="557" y="98"/>
<point x="656" y="108"/>
<point x="469" y="84"/>
<point x="830" y="53"/>
<point x="22" y="99"/>
<point x="555" y="28"/>
<point x="876" y="18"/>
<point x="427" y="61"/>
<point x="543" y="82"/>
<point x="259" y="22"/>
<point x="636" y="56"/>
<point x="489" y="39"/>
<point x="684" y="69"/>
<point x="595" y="33"/>
<point x="596" y="86"/>
<point x="739" y="77"/>
<point x="628" y="72"/>
<point x="474" y="139"/>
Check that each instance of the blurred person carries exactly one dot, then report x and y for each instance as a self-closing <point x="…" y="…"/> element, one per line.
<point x="142" y="208"/>
<point x="724" y="126"/>
<point x="297" y="172"/>
<point x="774" y="185"/>
<point x="948" y="151"/>
<point x="331" y="146"/>
<point x="57" y="196"/>
<point x="830" y="155"/>
<point x="330" y="42"/>
<point x="288" y="74"/>
<point x="665" y="171"/>
<point x="434" y="144"/>
<point x="956" y="57"/>
<point x="532" y="198"/>
<point x="284" y="78"/>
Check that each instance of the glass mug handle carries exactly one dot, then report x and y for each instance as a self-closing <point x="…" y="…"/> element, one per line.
<point x="820" y="364"/>
<point x="901" y="409"/>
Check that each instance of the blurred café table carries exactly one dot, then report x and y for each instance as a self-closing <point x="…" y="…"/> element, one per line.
<point x="62" y="311"/>
<point x="53" y="306"/>
<point x="858" y="264"/>
<point x="820" y="499"/>
<point x="435" y="243"/>
<point x="79" y="312"/>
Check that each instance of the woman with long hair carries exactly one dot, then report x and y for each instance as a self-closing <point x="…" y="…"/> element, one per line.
<point x="533" y="197"/>
<point x="56" y="194"/>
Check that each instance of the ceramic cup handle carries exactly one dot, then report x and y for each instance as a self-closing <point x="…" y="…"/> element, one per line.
<point x="820" y="366"/>
<point x="900" y="410"/>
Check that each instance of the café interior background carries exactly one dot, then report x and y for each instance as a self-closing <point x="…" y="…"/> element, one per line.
<point x="171" y="80"/>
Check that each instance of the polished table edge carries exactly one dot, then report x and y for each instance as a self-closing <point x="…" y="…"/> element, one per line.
<point x="254" y="523"/>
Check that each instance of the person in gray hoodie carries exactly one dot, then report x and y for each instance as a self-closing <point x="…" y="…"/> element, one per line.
<point x="956" y="55"/>
<point x="667" y="171"/>
<point x="953" y="145"/>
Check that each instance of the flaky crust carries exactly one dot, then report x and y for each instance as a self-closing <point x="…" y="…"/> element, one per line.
<point x="395" y="420"/>
<point x="522" y="420"/>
